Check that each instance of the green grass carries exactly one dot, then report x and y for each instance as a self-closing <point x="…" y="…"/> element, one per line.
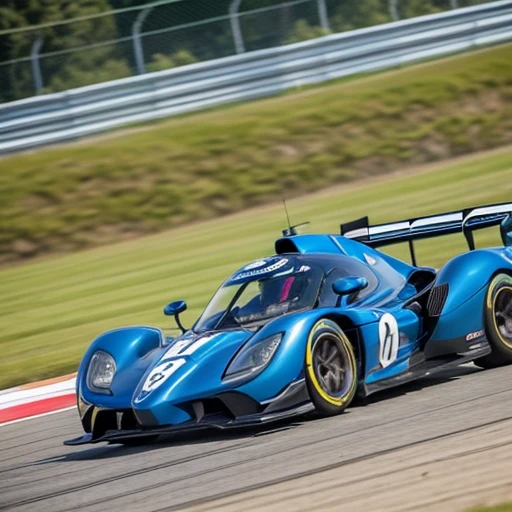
<point x="52" y="309"/>
<point x="215" y="163"/>
<point x="504" y="507"/>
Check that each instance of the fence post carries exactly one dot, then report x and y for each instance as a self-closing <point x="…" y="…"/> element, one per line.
<point x="454" y="4"/>
<point x="34" y="61"/>
<point x="322" y="14"/>
<point x="393" y="10"/>
<point x="238" y="38"/>
<point x="137" y="46"/>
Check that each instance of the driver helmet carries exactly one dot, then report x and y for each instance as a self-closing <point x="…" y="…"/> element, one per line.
<point x="280" y="290"/>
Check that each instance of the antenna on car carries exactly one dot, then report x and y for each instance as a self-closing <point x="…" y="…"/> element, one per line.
<point x="290" y="230"/>
<point x="286" y="213"/>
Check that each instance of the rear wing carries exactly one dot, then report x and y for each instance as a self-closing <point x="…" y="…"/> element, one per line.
<point x="465" y="221"/>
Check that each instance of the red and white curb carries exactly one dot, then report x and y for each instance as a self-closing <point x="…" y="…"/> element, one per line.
<point x="37" y="399"/>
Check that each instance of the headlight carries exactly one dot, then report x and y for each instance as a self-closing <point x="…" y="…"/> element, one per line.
<point x="253" y="357"/>
<point x="101" y="372"/>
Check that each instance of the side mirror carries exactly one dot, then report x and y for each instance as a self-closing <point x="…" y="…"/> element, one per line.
<point x="174" y="309"/>
<point x="348" y="285"/>
<point x="506" y="231"/>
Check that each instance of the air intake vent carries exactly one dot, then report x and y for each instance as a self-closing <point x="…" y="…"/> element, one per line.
<point x="437" y="299"/>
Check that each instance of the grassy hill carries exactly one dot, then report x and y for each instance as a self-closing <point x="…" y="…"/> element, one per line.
<point x="214" y="163"/>
<point x="51" y="310"/>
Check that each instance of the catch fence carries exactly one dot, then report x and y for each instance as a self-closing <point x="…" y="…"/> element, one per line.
<point x="83" y="111"/>
<point x="106" y="46"/>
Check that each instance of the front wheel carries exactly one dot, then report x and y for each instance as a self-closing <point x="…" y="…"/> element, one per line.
<point x="330" y="368"/>
<point x="498" y="322"/>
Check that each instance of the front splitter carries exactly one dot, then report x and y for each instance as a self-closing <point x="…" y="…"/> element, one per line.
<point x="219" y="423"/>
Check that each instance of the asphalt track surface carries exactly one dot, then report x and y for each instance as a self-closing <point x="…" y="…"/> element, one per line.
<point x="443" y="443"/>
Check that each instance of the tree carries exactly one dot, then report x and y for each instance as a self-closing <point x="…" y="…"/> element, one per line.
<point x="61" y="68"/>
<point x="351" y="15"/>
<point x="15" y="77"/>
<point x="412" y="8"/>
<point x="161" y="61"/>
<point x="303" y="31"/>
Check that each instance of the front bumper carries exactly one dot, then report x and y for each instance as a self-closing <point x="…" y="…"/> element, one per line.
<point x="221" y="422"/>
<point x="223" y="411"/>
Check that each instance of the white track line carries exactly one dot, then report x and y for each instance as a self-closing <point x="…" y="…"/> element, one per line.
<point x="37" y="416"/>
<point x="25" y="396"/>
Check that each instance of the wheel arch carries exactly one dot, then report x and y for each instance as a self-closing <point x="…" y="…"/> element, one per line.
<point x="351" y="331"/>
<point x="501" y="347"/>
<point x="328" y="401"/>
<point x="126" y="345"/>
<point x="464" y="317"/>
<point x="506" y="271"/>
<point x="480" y="265"/>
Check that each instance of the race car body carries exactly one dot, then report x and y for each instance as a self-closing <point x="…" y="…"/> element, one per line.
<point x="325" y="318"/>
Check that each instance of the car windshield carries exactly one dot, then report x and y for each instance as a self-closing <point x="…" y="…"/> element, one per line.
<point x="259" y="299"/>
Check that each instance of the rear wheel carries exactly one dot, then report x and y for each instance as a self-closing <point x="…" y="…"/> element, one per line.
<point x="498" y="322"/>
<point x="331" y="368"/>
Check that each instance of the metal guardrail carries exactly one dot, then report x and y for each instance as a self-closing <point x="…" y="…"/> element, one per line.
<point x="87" y="110"/>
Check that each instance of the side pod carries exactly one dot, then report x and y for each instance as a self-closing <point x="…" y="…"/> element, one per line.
<point x="467" y="274"/>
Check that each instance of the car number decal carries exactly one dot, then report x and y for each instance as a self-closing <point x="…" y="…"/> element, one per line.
<point x="197" y="344"/>
<point x="188" y="346"/>
<point x="160" y="373"/>
<point x="388" y="339"/>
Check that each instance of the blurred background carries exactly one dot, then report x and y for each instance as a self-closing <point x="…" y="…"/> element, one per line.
<point x="51" y="46"/>
<point x="105" y="230"/>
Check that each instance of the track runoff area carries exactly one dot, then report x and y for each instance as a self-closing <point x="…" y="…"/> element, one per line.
<point x="37" y="399"/>
<point x="443" y="443"/>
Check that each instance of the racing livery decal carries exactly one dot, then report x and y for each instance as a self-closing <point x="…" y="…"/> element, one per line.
<point x="388" y="339"/>
<point x="271" y="263"/>
<point x="187" y="347"/>
<point x="160" y="373"/>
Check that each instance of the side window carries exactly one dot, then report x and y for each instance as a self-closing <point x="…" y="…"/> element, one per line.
<point x="363" y="271"/>
<point x="328" y="298"/>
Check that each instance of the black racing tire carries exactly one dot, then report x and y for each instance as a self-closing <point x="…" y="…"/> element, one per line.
<point x="330" y="368"/>
<point x="498" y="322"/>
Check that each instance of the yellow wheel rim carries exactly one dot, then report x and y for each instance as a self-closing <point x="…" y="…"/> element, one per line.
<point x="500" y="305"/>
<point x="348" y="357"/>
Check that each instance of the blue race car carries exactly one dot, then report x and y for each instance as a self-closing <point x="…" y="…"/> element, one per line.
<point x="326" y="318"/>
